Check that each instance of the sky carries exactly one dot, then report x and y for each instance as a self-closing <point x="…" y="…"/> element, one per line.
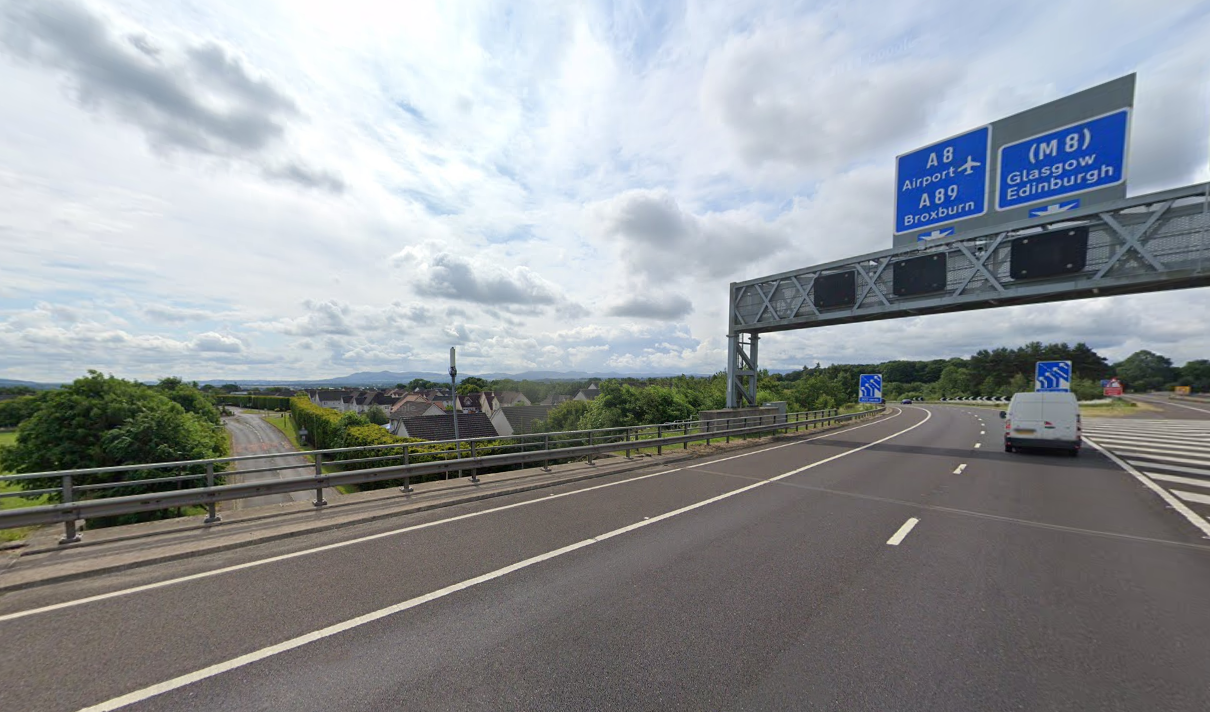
<point x="306" y="189"/>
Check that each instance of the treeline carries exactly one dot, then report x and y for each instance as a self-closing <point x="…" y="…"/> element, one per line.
<point x="276" y="403"/>
<point x="102" y="421"/>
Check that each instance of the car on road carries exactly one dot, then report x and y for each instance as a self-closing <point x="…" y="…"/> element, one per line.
<point x="1043" y="420"/>
<point x="906" y="401"/>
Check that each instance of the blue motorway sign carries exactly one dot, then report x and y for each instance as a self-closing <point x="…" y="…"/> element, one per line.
<point x="1053" y="377"/>
<point x="1080" y="157"/>
<point x="944" y="182"/>
<point x="869" y="388"/>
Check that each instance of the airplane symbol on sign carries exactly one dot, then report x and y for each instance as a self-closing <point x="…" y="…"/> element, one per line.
<point x="970" y="165"/>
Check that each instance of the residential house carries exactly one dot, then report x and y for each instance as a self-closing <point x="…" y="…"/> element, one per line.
<point x="518" y="419"/>
<point x="331" y="399"/>
<point x="587" y="394"/>
<point x="413" y="405"/>
<point x="470" y="404"/>
<point x="441" y="427"/>
<point x="554" y="399"/>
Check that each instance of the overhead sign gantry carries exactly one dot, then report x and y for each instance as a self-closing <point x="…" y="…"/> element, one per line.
<point x="1053" y="225"/>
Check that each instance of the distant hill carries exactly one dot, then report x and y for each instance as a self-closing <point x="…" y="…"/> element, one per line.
<point x="5" y="382"/>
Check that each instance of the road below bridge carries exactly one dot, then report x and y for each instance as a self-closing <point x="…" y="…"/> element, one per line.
<point x="904" y="564"/>
<point x="252" y="435"/>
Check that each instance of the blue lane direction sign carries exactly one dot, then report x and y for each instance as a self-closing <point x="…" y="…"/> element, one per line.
<point x="1074" y="159"/>
<point x="1053" y="377"/>
<point x="944" y="182"/>
<point x="869" y="388"/>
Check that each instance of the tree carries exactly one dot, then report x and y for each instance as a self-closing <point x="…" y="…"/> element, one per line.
<point x="1196" y="375"/>
<point x="475" y="381"/>
<point x="377" y="416"/>
<point x="1145" y="371"/>
<point x="466" y="389"/>
<point x="14" y="411"/>
<point x="102" y="421"/>
<point x="229" y="387"/>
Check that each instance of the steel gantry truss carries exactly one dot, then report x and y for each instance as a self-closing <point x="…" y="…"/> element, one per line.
<point x="1148" y="243"/>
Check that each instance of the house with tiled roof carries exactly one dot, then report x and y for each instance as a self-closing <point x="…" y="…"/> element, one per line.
<point x="441" y="427"/>
<point x="470" y="404"/>
<point x="518" y="419"/>
<point x="555" y="399"/>
<point x="587" y="394"/>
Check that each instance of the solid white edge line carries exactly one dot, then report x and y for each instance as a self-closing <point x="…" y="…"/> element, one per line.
<point x="394" y="532"/>
<point x="904" y="530"/>
<point x="257" y="655"/>
<point x="960" y="468"/>
<point x="1201" y="524"/>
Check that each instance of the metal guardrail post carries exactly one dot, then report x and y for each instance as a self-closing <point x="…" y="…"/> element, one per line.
<point x="211" y="508"/>
<point x="659" y="435"/>
<point x="686" y="435"/>
<point x="70" y="535"/>
<point x="626" y="439"/>
<point x="474" y="471"/>
<point x="546" y="447"/>
<point x="590" y="445"/>
<point x="407" y="486"/>
<point x="319" y="491"/>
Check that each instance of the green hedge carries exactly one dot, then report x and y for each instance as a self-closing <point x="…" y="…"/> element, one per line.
<point x="278" y="403"/>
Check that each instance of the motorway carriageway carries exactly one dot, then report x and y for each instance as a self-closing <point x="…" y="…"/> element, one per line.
<point x="907" y="563"/>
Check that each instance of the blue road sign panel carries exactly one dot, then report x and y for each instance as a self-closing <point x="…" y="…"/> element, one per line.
<point x="1053" y="377"/>
<point x="1084" y="156"/>
<point x="944" y="182"/>
<point x="869" y="388"/>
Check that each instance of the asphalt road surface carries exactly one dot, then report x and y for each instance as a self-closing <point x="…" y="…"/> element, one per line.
<point x="907" y="564"/>
<point x="1173" y="409"/>
<point x="252" y="435"/>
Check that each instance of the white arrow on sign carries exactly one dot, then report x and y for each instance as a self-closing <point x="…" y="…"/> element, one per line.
<point x="935" y="234"/>
<point x="1054" y="209"/>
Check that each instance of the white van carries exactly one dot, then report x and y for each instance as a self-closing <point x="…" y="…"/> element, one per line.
<point x="1042" y="420"/>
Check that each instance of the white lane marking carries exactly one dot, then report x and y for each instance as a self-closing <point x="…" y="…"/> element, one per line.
<point x="983" y="432"/>
<point x="1192" y="496"/>
<point x="903" y="532"/>
<point x="960" y="469"/>
<point x="1187" y="443"/>
<point x="978" y="444"/>
<point x="381" y="535"/>
<point x="1201" y="524"/>
<point x="256" y="655"/>
<point x="1119" y="446"/>
<point x="1170" y="468"/>
<point x="1178" y="480"/>
<point x="1169" y="458"/>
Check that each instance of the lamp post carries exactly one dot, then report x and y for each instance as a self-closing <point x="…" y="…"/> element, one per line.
<point x="454" y="397"/>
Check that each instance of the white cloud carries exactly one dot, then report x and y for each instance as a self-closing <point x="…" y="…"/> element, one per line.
<point x="307" y="189"/>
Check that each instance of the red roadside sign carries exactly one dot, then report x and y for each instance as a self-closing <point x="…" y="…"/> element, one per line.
<point x="1113" y="388"/>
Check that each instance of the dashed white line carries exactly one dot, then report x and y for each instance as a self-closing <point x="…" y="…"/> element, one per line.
<point x="960" y="469"/>
<point x="903" y="532"/>
<point x="978" y="444"/>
